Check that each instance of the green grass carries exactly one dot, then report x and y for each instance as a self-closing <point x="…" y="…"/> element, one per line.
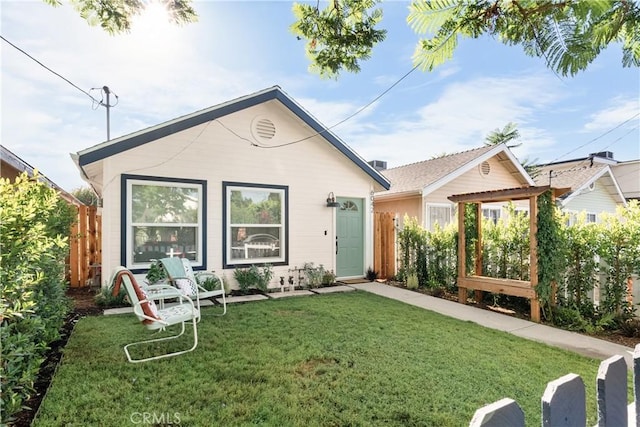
<point x="352" y="359"/>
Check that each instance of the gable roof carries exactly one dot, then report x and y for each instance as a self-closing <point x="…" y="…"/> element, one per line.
<point x="12" y="165"/>
<point x="136" y="139"/>
<point x="426" y="176"/>
<point x="579" y="175"/>
<point x="627" y="175"/>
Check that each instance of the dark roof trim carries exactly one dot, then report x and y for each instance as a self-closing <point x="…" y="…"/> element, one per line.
<point x="22" y="166"/>
<point x="135" y="140"/>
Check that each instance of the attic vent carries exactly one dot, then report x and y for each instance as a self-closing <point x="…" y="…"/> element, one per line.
<point x="485" y="168"/>
<point x="264" y="128"/>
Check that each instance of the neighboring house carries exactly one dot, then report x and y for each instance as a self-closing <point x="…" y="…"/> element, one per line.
<point x="628" y="176"/>
<point x="11" y="166"/>
<point x="594" y="187"/>
<point x="256" y="180"/>
<point x="421" y="189"/>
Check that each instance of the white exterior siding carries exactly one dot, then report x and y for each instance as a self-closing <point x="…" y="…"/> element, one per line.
<point x="215" y="153"/>
<point x="474" y="181"/>
<point x="593" y="201"/>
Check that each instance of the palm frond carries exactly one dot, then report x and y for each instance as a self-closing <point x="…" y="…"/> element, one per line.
<point x="429" y="16"/>
<point x="436" y="51"/>
<point x="631" y="47"/>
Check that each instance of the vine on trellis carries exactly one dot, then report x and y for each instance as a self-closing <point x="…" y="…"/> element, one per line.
<point x="550" y="245"/>
<point x="470" y="236"/>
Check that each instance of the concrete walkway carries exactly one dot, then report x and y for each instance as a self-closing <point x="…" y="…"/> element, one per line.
<point x="582" y="344"/>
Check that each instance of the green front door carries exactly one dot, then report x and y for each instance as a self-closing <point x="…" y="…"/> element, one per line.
<point x="350" y="237"/>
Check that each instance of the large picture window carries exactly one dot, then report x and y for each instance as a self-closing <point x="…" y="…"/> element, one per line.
<point x="163" y="217"/>
<point x="255" y="224"/>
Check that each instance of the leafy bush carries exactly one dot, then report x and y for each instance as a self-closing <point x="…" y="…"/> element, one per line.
<point x="156" y="273"/>
<point x="619" y="249"/>
<point x="313" y="274"/>
<point x="506" y="246"/>
<point x="581" y="273"/>
<point x="253" y="277"/>
<point x="105" y="298"/>
<point x="571" y="258"/>
<point x="630" y="328"/>
<point x="328" y="278"/>
<point x="431" y="256"/>
<point x="209" y="281"/>
<point x="34" y="230"/>
<point x="571" y="319"/>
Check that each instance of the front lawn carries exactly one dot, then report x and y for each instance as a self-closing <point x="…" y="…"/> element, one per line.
<point x="331" y="360"/>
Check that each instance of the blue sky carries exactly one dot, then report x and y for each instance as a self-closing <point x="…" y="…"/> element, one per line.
<point x="160" y="72"/>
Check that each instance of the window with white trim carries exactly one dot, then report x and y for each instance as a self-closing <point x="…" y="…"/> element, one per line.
<point x="573" y="217"/>
<point x="163" y="217"/>
<point x="492" y="213"/>
<point x="522" y="211"/>
<point x="255" y="224"/>
<point x="438" y="214"/>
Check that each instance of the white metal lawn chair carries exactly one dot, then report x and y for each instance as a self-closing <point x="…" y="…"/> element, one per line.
<point x="154" y="318"/>
<point x="181" y="274"/>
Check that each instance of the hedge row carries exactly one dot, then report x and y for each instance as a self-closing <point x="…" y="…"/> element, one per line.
<point x="584" y="254"/>
<point x="34" y="229"/>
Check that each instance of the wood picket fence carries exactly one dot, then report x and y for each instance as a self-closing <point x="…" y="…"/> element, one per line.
<point x="384" y="247"/>
<point x="85" y="249"/>
<point x="564" y="401"/>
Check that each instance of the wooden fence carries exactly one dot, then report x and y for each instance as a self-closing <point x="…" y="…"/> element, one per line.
<point x="85" y="253"/>
<point x="563" y="402"/>
<point x="384" y="249"/>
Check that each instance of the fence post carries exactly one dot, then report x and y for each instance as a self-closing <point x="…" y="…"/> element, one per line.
<point x="504" y="412"/>
<point x="564" y="402"/>
<point x="612" y="392"/>
<point x="635" y="406"/>
<point x="378" y="244"/>
<point x="74" y="254"/>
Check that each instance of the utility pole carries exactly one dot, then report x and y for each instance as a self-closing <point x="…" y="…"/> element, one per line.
<point x="108" y="106"/>
<point x="106" y="90"/>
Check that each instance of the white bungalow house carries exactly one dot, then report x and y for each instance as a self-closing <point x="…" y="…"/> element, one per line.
<point x="593" y="184"/>
<point x="421" y="189"/>
<point x="256" y="180"/>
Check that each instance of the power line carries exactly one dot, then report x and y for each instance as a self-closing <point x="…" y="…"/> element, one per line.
<point x="358" y="111"/>
<point x="50" y="70"/>
<point x="597" y="138"/>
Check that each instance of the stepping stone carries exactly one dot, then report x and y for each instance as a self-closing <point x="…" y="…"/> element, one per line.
<point x="119" y="310"/>
<point x="243" y="298"/>
<point x="277" y="295"/>
<point x="332" y="289"/>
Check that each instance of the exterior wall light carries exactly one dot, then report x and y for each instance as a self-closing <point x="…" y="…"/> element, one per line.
<point x="331" y="201"/>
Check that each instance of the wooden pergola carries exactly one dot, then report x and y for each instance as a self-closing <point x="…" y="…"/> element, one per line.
<point x="480" y="283"/>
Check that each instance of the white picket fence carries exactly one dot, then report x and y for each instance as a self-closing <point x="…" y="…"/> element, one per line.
<point x="564" y="400"/>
